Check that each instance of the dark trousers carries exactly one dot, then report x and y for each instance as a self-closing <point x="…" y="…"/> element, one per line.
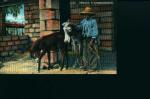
<point x="85" y="50"/>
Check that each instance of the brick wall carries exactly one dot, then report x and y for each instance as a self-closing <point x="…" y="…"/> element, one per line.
<point x="11" y="44"/>
<point x="32" y="27"/>
<point x="104" y="17"/>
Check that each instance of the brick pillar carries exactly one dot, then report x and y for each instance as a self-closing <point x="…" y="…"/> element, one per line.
<point x="32" y="27"/>
<point x="49" y="20"/>
<point x="49" y="16"/>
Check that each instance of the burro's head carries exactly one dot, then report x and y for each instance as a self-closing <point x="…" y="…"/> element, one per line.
<point x="34" y="50"/>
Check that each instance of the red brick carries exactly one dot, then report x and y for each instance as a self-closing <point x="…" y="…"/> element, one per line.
<point x="76" y="17"/>
<point x="37" y="30"/>
<point x="17" y="42"/>
<point x="36" y="7"/>
<point x="26" y="30"/>
<point x="35" y="16"/>
<point x="107" y="48"/>
<point x="29" y="16"/>
<point x="106" y="25"/>
<point x="52" y="24"/>
<point x="31" y="30"/>
<point x="28" y="25"/>
<point x="4" y="54"/>
<point x="30" y="34"/>
<point x="47" y="14"/>
<point x="1" y="38"/>
<point x="52" y="3"/>
<point x="106" y="19"/>
<point x="42" y="25"/>
<point x="11" y="52"/>
<point x="10" y="43"/>
<point x="27" y="8"/>
<point x="42" y="4"/>
<point x="15" y="38"/>
<point x="26" y="13"/>
<point x="22" y="37"/>
<point x="24" y="42"/>
<point x="48" y="4"/>
<point x="7" y="48"/>
<point x="31" y="20"/>
<point x="106" y="31"/>
<point x="35" y="12"/>
<point x="3" y="43"/>
<point x="36" y="25"/>
<point x="14" y="47"/>
<point x="106" y="43"/>
<point x="0" y="24"/>
<point x="106" y="37"/>
<point x="37" y="20"/>
<point x="1" y="49"/>
<point x="6" y="38"/>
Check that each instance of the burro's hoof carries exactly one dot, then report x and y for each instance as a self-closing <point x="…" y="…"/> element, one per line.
<point x="56" y="66"/>
<point x="66" y="68"/>
<point x="50" y="68"/>
<point x="61" y="69"/>
<point x="44" y="68"/>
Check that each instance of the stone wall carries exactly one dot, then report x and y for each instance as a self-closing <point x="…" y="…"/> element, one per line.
<point x="12" y="44"/>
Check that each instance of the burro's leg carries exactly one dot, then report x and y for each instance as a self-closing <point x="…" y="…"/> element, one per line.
<point x="39" y="61"/>
<point x="66" y="54"/>
<point x="49" y="60"/>
<point x="62" y="60"/>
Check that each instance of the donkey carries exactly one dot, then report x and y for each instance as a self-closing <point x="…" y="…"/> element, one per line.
<point x="74" y="35"/>
<point x="77" y="40"/>
<point x="52" y="42"/>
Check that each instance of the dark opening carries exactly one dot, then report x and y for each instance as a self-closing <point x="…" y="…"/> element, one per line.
<point x="64" y="7"/>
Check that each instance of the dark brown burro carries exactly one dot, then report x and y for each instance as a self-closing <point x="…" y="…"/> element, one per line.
<point x="45" y="44"/>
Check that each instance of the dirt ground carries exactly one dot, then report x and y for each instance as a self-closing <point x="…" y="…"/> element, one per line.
<point x="24" y="65"/>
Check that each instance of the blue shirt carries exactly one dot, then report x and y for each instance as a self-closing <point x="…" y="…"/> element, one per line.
<point x="89" y="27"/>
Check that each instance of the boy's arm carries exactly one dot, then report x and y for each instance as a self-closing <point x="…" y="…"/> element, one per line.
<point x="95" y="29"/>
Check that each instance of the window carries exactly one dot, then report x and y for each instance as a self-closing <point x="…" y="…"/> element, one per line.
<point x="15" y="24"/>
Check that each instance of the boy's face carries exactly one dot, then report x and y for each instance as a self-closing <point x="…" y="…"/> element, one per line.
<point x="87" y="15"/>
